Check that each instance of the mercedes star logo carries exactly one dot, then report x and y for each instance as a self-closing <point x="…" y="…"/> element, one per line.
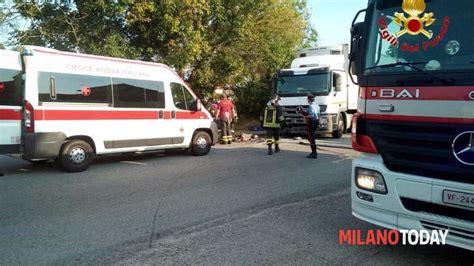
<point x="463" y="148"/>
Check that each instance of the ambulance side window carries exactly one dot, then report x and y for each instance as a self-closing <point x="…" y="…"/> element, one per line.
<point x="182" y="98"/>
<point x="130" y="93"/>
<point x="72" y="88"/>
<point x="178" y="97"/>
<point x="190" y="102"/>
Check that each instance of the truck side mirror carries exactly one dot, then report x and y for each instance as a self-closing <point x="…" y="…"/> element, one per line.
<point x="357" y="31"/>
<point x="337" y="81"/>
<point x="356" y="36"/>
<point x="274" y="85"/>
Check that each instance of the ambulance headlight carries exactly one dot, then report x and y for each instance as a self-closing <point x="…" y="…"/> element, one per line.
<point x="323" y="120"/>
<point x="371" y="181"/>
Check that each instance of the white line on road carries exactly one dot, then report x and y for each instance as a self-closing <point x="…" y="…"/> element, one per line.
<point x="136" y="163"/>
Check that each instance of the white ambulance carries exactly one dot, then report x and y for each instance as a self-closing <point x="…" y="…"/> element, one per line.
<point x="72" y="107"/>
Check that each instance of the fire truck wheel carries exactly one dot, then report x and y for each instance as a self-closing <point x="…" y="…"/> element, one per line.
<point x="75" y="156"/>
<point x="337" y="134"/>
<point x="201" y="144"/>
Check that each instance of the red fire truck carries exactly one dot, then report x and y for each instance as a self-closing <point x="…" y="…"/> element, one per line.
<point x="414" y="62"/>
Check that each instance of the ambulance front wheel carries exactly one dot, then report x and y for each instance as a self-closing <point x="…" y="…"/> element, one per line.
<point x="75" y="156"/>
<point x="201" y="144"/>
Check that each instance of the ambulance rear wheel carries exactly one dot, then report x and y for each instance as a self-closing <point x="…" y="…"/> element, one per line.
<point x="75" y="156"/>
<point x="201" y="144"/>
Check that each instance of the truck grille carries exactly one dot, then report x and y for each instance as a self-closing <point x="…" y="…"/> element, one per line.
<point x="453" y="231"/>
<point x="423" y="149"/>
<point x="436" y="209"/>
<point x="292" y="117"/>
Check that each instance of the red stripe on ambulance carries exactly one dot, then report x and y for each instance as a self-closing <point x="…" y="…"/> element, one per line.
<point x="51" y="115"/>
<point x="6" y="114"/>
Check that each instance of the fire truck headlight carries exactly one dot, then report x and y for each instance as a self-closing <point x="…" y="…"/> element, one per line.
<point x="371" y="181"/>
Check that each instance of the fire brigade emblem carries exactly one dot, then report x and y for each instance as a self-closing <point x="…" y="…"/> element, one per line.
<point x="414" y="24"/>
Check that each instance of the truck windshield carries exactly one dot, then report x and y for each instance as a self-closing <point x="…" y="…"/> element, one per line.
<point x="317" y="84"/>
<point x="10" y="87"/>
<point x="434" y="35"/>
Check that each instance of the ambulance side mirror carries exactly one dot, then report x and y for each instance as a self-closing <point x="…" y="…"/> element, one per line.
<point x="198" y="105"/>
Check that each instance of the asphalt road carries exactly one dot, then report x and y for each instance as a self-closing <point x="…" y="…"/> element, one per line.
<point x="236" y="205"/>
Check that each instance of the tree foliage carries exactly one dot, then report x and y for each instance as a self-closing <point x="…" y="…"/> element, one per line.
<point x="95" y="27"/>
<point x="213" y="43"/>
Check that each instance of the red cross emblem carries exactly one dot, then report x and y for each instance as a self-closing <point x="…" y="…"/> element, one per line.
<point x="181" y="130"/>
<point x="86" y="91"/>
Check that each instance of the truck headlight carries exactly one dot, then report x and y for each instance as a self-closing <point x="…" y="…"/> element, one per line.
<point x="323" y="120"/>
<point x="371" y="181"/>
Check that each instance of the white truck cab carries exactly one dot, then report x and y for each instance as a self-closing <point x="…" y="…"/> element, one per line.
<point x="321" y="71"/>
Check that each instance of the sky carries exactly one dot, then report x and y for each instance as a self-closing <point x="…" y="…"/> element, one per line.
<point x="332" y="19"/>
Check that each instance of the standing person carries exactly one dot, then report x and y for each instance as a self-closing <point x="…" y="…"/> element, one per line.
<point x="272" y="118"/>
<point x="225" y="115"/>
<point x="234" y="117"/>
<point x="312" y="114"/>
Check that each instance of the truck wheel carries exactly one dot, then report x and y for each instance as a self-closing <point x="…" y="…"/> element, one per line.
<point x="201" y="144"/>
<point x="337" y="134"/>
<point x="75" y="156"/>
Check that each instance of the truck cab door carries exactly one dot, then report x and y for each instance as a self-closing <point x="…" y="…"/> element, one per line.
<point x="10" y="103"/>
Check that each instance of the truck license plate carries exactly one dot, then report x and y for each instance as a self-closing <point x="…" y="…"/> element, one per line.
<point x="458" y="198"/>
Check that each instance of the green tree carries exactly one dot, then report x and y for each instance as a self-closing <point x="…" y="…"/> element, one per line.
<point x="168" y="31"/>
<point x="95" y="27"/>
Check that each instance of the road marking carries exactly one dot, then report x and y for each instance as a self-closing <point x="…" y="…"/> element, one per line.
<point x="136" y="163"/>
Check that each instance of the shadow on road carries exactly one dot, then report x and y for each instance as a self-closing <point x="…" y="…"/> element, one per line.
<point x="15" y="166"/>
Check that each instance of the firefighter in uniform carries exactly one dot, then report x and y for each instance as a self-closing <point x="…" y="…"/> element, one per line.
<point x="272" y="119"/>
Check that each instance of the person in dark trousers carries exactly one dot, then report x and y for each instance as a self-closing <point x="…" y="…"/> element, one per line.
<point x="225" y="114"/>
<point x="272" y="119"/>
<point x="311" y="115"/>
